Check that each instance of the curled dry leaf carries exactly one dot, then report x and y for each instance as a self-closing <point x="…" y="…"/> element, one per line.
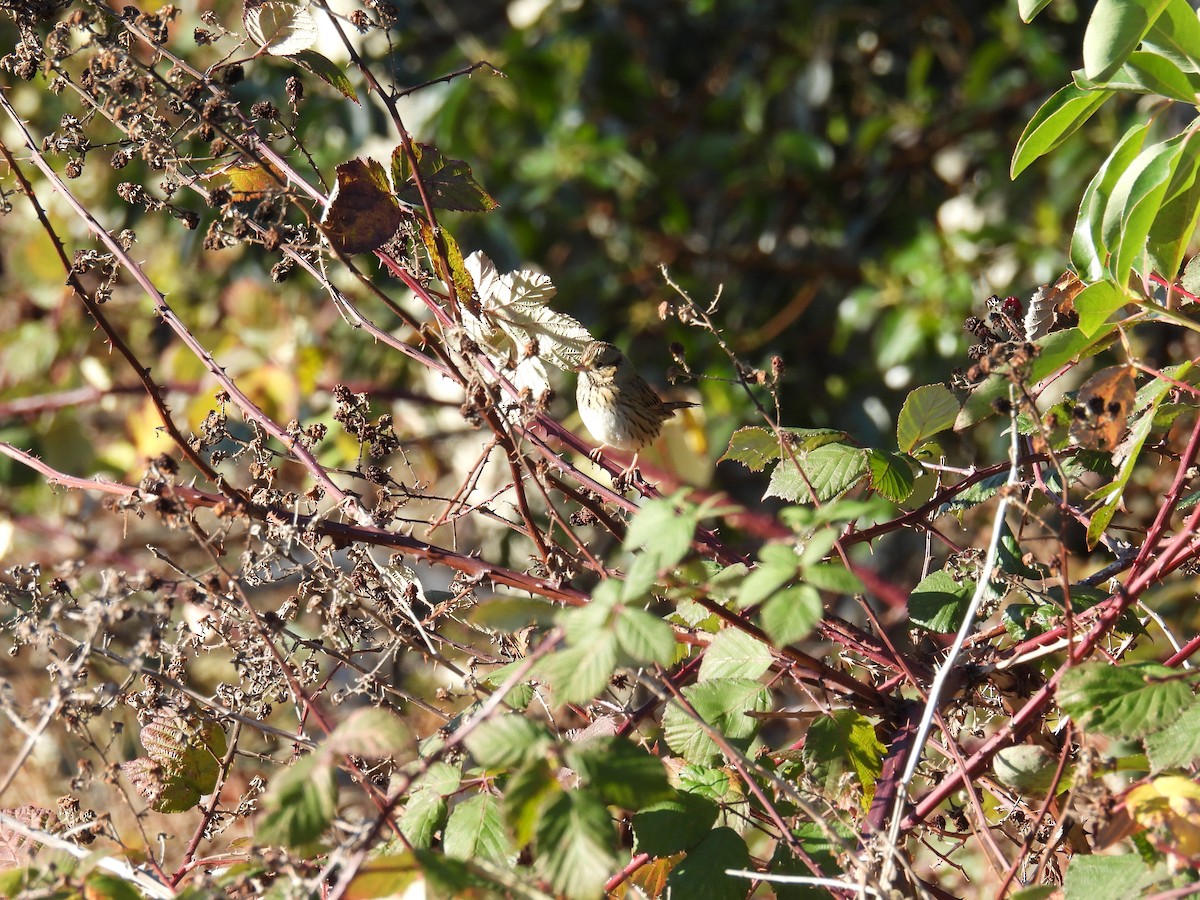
<point x="1102" y="408"/>
<point x="363" y="213"/>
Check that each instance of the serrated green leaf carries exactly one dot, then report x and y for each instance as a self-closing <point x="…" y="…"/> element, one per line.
<point x="791" y="614"/>
<point x="675" y="825"/>
<point x="327" y="71"/>
<point x="1114" y="30"/>
<point x="755" y="447"/>
<point x="576" y="845"/>
<point x="621" y="773"/>
<point x="506" y="741"/>
<point x="723" y="704"/>
<point x="1108" y="877"/>
<point x="644" y="638"/>
<point x="939" y="603"/>
<point x="662" y="529"/>
<point x="1178" y="744"/>
<point x="476" y="829"/>
<point x="299" y="803"/>
<point x="833" y="577"/>
<point x="778" y="564"/>
<point x="1127" y="701"/>
<point x="891" y="475"/>
<point x="581" y="673"/>
<point x="735" y="654"/>
<point x="425" y="812"/>
<point x="701" y="874"/>
<point x="844" y="741"/>
<point x="831" y="470"/>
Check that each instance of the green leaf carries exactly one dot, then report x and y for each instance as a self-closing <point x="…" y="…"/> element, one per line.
<point x="506" y="741"/>
<point x="735" y="654"/>
<point x="576" y="845"/>
<point x="1089" y="252"/>
<point x="1177" y="745"/>
<point x="644" y="638"/>
<point x="372" y="733"/>
<point x="300" y="803"/>
<point x="723" y="704"/>
<point x="327" y="71"/>
<point x="791" y="614"/>
<point x="449" y="183"/>
<point x="1107" y="877"/>
<point x="833" y="577"/>
<point x="622" y="773"/>
<point x="662" y="529"/>
<point x="939" y="602"/>
<point x="1176" y="36"/>
<point x="755" y="447"/>
<point x="1059" y="118"/>
<point x="675" y="825"/>
<point x="1028" y="9"/>
<point x="1134" y="204"/>
<point x="701" y="874"/>
<point x="1114" y="30"/>
<point x="425" y="812"/>
<point x="1128" y="701"/>
<point x="581" y="673"/>
<point x="476" y="829"/>
<point x="891" y="474"/>
<point x="1096" y="302"/>
<point x="832" y="470"/>
<point x="1176" y="222"/>
<point x="777" y="566"/>
<point x="844" y="741"/>
<point x="1151" y="73"/>
<point x="527" y="791"/>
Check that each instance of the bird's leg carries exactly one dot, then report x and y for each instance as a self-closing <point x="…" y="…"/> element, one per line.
<point x="596" y="454"/>
<point x="628" y="476"/>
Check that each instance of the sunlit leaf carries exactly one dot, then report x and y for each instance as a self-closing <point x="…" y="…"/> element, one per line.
<point x="280" y="28"/>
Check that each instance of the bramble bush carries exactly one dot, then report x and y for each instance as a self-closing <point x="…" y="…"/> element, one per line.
<point x="348" y="611"/>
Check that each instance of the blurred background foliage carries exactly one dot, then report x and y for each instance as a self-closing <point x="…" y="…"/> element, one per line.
<point x="836" y="170"/>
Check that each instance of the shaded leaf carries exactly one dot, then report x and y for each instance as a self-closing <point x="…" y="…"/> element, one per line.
<point x="701" y="874"/>
<point x="939" y="602"/>
<point x="576" y="845"/>
<point x="449" y="183"/>
<point x="476" y="829"/>
<point x="891" y="474"/>
<point x="299" y="803"/>
<point x="674" y="825"/>
<point x="362" y="214"/>
<point x="1178" y="744"/>
<point x="327" y="71"/>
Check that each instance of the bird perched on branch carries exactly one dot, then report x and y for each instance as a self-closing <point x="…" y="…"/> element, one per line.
<point x="616" y="404"/>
